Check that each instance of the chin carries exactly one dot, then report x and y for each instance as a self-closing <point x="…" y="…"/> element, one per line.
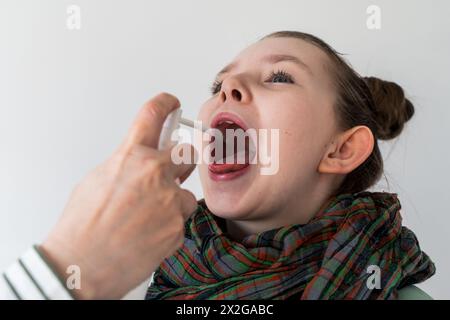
<point x="227" y="199"/>
<point x="227" y="205"/>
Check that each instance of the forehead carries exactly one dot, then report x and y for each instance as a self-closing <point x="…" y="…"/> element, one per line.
<point x="306" y="52"/>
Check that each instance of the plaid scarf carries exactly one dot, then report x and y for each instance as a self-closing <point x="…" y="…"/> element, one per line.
<point x="331" y="257"/>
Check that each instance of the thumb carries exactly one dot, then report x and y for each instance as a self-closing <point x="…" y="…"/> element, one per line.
<point x="148" y="123"/>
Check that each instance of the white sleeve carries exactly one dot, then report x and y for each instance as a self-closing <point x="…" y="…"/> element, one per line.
<point x="31" y="278"/>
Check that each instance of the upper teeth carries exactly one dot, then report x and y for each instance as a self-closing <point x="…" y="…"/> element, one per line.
<point x="227" y="121"/>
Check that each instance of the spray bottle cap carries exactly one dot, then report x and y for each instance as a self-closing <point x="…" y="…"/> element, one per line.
<point x="171" y="124"/>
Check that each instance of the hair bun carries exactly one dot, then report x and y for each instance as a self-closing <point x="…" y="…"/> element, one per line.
<point x="392" y="108"/>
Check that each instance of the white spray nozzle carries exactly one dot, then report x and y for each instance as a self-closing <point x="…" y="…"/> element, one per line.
<point x="190" y="123"/>
<point x="171" y="124"/>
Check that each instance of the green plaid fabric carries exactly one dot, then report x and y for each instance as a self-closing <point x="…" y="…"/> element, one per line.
<point x="331" y="257"/>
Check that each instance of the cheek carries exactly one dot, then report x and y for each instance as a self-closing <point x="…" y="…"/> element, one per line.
<point x="301" y="135"/>
<point x="298" y="148"/>
<point x="295" y="123"/>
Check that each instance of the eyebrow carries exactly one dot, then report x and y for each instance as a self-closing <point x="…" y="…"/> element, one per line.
<point x="273" y="58"/>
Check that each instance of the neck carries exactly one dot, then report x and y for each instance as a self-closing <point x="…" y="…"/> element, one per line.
<point x="299" y="209"/>
<point x="280" y="217"/>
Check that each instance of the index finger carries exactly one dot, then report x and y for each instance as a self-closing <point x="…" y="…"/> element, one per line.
<point x="148" y="123"/>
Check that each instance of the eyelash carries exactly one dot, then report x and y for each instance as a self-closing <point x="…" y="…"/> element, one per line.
<point x="216" y="86"/>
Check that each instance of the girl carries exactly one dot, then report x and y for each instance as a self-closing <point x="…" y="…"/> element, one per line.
<point x="312" y="230"/>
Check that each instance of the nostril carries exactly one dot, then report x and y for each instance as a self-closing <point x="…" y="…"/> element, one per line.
<point x="236" y="94"/>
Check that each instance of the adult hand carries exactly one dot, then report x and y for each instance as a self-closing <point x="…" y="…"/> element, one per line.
<point x="127" y="215"/>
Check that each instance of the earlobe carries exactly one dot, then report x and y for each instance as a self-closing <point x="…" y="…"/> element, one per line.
<point x="349" y="151"/>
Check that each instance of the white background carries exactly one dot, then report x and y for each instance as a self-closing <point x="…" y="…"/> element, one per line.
<point x="68" y="97"/>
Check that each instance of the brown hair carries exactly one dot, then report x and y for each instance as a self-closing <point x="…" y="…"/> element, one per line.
<point x="380" y="105"/>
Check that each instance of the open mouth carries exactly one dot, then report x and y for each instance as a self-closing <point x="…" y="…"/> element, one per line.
<point x="232" y="153"/>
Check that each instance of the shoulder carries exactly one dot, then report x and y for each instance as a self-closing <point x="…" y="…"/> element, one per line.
<point x="413" y="293"/>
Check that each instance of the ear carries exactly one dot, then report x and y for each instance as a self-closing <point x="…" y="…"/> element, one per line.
<point x="351" y="149"/>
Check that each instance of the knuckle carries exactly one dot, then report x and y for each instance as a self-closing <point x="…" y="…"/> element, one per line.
<point x="170" y="200"/>
<point x="179" y="222"/>
<point x="117" y="158"/>
<point x="130" y="199"/>
<point x="175" y="231"/>
<point x="153" y="110"/>
<point x="143" y="154"/>
<point x="178" y="236"/>
<point x="112" y="168"/>
<point x="155" y="107"/>
<point x="156" y="169"/>
<point x="123" y="155"/>
<point x="138" y="153"/>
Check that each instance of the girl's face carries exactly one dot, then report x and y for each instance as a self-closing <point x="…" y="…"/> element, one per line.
<point x="276" y="83"/>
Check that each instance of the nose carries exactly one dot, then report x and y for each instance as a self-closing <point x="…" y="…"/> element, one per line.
<point x="234" y="90"/>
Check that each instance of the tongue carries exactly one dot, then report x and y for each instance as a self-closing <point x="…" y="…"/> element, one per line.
<point x="237" y="159"/>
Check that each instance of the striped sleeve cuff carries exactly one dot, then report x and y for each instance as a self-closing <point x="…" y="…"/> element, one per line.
<point x="31" y="278"/>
